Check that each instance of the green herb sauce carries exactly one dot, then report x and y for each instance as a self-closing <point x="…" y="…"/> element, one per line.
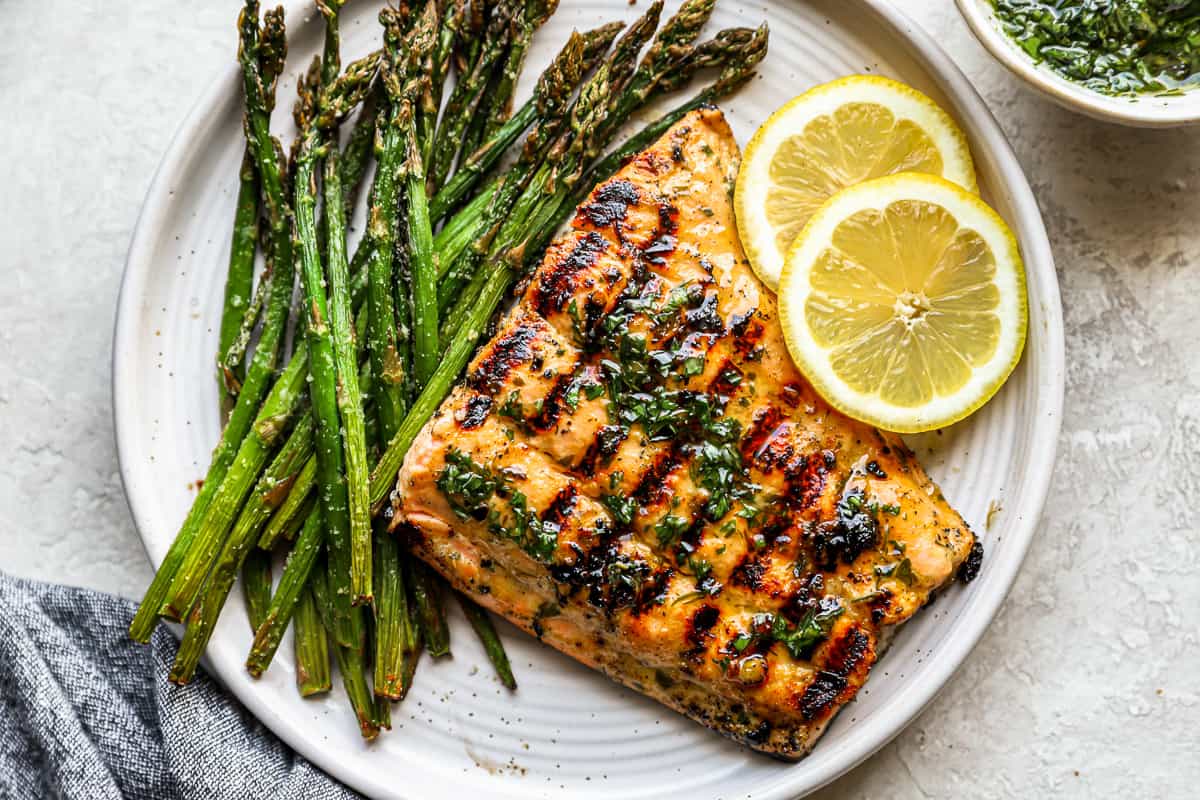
<point x="1115" y="47"/>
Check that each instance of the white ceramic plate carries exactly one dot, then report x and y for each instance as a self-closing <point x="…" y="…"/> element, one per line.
<point x="569" y="731"/>
<point x="1142" y="111"/>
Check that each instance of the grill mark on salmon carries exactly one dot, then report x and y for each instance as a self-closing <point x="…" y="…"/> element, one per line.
<point x="477" y="410"/>
<point x="610" y="203"/>
<point x="556" y="286"/>
<point x="651" y="490"/>
<point x="844" y="656"/>
<point x="503" y="355"/>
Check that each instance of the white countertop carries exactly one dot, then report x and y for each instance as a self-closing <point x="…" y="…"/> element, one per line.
<point x="1087" y="685"/>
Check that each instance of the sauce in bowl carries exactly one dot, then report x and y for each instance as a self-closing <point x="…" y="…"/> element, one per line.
<point x="1115" y="47"/>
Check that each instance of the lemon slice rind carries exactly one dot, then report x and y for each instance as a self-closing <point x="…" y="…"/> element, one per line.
<point x="1009" y="278"/>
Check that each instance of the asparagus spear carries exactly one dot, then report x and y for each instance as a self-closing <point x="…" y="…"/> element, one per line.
<point x="623" y="60"/>
<point x="296" y="572"/>
<point x="430" y="612"/>
<point x="312" y="647"/>
<point x="331" y="479"/>
<point x="467" y="93"/>
<point x="526" y="23"/>
<point x="357" y="152"/>
<point x="256" y="586"/>
<point x="390" y="361"/>
<point x="239" y="280"/>
<point x="468" y="37"/>
<point x="350" y="661"/>
<point x="387" y="363"/>
<point x="235" y="354"/>
<point x="394" y="636"/>
<point x="594" y="44"/>
<point x="272" y="52"/>
<point x="336" y="100"/>
<point x="423" y="262"/>
<point x="272" y="420"/>
<point x="438" y="67"/>
<point x="266" y="354"/>
<point x="482" y="623"/>
<point x="349" y="397"/>
<point x="287" y="520"/>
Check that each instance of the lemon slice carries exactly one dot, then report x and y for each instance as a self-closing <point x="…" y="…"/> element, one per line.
<point x="903" y="302"/>
<point x="833" y="136"/>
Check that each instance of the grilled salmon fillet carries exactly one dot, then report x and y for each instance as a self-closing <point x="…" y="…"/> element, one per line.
<point x="633" y="471"/>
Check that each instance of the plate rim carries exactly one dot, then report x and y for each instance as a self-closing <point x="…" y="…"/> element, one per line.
<point x="871" y="734"/>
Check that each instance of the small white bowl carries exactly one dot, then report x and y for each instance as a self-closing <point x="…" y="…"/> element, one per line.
<point x="1143" y="111"/>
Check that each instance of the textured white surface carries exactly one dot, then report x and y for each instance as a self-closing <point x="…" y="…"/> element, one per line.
<point x="1092" y="667"/>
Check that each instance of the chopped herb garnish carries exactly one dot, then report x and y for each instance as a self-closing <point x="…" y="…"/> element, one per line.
<point x="511" y="407"/>
<point x="669" y="529"/>
<point x="900" y="570"/>
<point x="467" y="485"/>
<point x="812" y="628"/>
<point x="622" y="508"/>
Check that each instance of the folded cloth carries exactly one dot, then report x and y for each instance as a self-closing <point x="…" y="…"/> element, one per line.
<point x="87" y="714"/>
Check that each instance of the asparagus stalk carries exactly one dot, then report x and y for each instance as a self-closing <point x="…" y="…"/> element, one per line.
<point x="350" y="661"/>
<point x="394" y="636"/>
<point x="349" y="396"/>
<point x="272" y="53"/>
<point x="331" y="478"/>
<point x="526" y="23"/>
<point x="266" y="354"/>
<point x="298" y="489"/>
<point x="312" y="647"/>
<point x="482" y="623"/>
<point x="423" y="262"/>
<point x="438" y="67"/>
<point x="287" y="520"/>
<point x="468" y="37"/>
<point x="256" y="587"/>
<point x="623" y="60"/>
<point x="272" y="420"/>
<point x="235" y="354"/>
<point x="217" y="550"/>
<point x="594" y="44"/>
<point x="356" y="155"/>
<point x="430" y="612"/>
<point x="387" y="363"/>
<point x="296" y="572"/>
<point x="465" y="97"/>
<point x="336" y="101"/>
<point x="239" y="281"/>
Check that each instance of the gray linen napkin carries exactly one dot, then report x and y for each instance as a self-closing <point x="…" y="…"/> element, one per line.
<point x="86" y="714"/>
